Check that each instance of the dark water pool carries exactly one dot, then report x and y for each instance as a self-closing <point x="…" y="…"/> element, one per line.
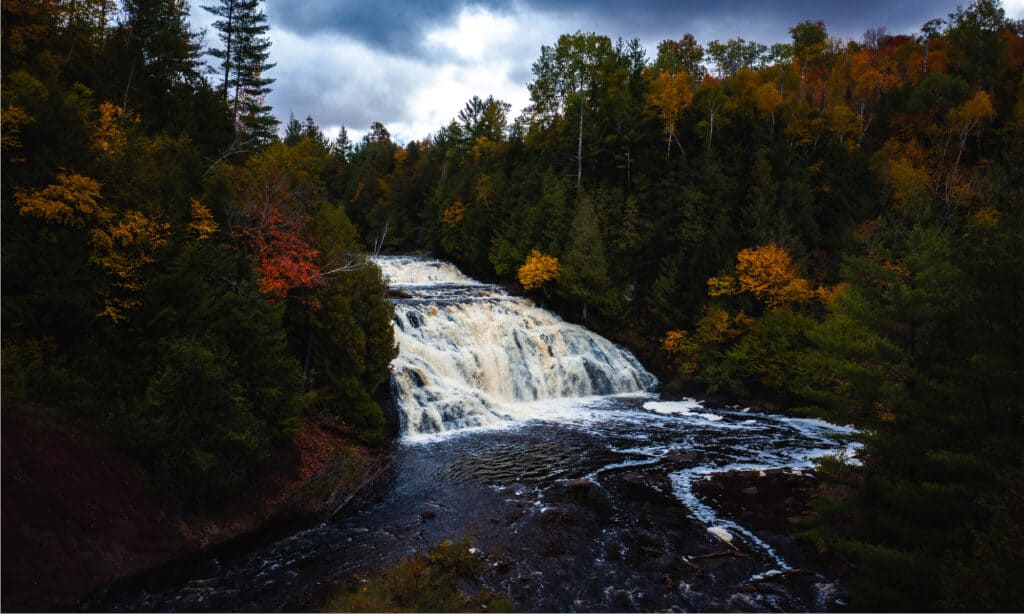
<point x="588" y="505"/>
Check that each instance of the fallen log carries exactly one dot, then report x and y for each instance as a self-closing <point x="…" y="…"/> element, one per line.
<point x="357" y="490"/>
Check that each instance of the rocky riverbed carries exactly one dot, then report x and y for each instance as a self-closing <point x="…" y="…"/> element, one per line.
<point x="610" y="504"/>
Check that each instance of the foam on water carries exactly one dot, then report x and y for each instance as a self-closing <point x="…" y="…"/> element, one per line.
<point x="472" y="356"/>
<point x="413" y="271"/>
<point x="473" y="359"/>
<point x="685" y="408"/>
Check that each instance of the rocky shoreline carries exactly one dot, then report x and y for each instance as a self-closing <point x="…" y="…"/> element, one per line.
<point x="79" y="517"/>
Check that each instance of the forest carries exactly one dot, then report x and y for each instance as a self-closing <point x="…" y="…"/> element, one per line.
<point x="834" y="225"/>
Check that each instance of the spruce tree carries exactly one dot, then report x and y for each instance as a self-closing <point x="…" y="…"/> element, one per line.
<point x="163" y="54"/>
<point x="244" y="60"/>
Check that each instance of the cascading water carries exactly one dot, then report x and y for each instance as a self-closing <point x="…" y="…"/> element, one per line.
<point x="596" y="503"/>
<point x="471" y="355"/>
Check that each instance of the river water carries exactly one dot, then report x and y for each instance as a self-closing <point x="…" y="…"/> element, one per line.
<point x="545" y="446"/>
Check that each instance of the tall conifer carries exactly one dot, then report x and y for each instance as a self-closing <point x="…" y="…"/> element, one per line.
<point x="244" y="61"/>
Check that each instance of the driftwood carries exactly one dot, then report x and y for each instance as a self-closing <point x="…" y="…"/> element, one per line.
<point x="696" y="568"/>
<point x="711" y="555"/>
<point x="356" y="490"/>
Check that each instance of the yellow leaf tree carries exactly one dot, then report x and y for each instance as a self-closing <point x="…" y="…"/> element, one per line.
<point x="121" y="244"/>
<point x="71" y="202"/>
<point x="122" y="249"/>
<point x="538" y="269"/>
<point x="110" y="133"/>
<point x="768" y="273"/>
<point x="201" y="225"/>
<point x="670" y="95"/>
<point x="964" y="121"/>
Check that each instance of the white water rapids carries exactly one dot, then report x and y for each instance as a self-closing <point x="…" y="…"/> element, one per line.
<point x="542" y="441"/>
<point x="470" y="355"/>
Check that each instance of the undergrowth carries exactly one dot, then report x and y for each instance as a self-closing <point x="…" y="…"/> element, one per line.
<point x="444" y="580"/>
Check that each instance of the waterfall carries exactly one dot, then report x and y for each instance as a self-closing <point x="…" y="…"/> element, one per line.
<point x="472" y="355"/>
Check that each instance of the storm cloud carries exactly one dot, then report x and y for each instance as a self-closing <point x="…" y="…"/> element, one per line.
<point x="412" y="64"/>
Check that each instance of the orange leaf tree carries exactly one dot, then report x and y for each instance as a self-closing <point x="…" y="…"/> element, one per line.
<point x="282" y="250"/>
<point x="271" y="195"/>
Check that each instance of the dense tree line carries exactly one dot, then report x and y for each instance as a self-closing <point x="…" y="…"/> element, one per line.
<point x="834" y="224"/>
<point x="174" y="275"/>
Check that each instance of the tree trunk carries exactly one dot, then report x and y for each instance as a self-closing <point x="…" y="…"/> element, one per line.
<point x="227" y="47"/>
<point x="579" y="148"/>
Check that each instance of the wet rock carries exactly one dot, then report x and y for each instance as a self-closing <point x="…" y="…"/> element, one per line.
<point x="502" y="565"/>
<point x="766" y="406"/>
<point x="557" y="515"/>
<point x="514" y="515"/>
<point x="647" y="486"/>
<point x="635" y="537"/>
<point x="770" y="503"/>
<point x="682" y="456"/>
<point x="633" y="479"/>
<point x="584" y="492"/>
<point x="467" y="586"/>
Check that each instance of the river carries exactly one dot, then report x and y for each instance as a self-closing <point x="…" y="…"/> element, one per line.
<point x="546" y="447"/>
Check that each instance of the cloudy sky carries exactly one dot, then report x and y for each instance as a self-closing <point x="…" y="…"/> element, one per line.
<point x="412" y="64"/>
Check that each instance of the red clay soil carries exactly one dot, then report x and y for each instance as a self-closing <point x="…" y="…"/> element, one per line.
<point x="78" y="514"/>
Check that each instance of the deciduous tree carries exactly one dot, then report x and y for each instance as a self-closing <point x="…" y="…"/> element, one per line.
<point x="538" y="269"/>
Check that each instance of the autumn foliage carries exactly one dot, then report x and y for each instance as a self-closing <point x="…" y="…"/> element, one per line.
<point x="454" y="214"/>
<point x="121" y="243"/>
<point x="283" y="255"/>
<point x="538" y="269"/>
<point x="73" y="201"/>
<point x="201" y="224"/>
<point x="670" y="95"/>
<point x="766" y="272"/>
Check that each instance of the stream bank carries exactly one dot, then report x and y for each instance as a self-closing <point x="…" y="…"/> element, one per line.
<point x="78" y="514"/>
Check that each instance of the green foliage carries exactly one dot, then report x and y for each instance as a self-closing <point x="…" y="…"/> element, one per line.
<point x="198" y="424"/>
<point x="244" y="59"/>
<point x="348" y="344"/>
<point x="113" y="210"/>
<point x="426" y="583"/>
<point x="584" y="276"/>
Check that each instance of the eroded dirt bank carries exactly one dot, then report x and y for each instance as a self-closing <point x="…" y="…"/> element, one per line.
<point x="79" y="514"/>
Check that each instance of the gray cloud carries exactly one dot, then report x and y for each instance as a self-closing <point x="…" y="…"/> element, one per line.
<point x="765" y="20"/>
<point x="355" y="62"/>
<point x="398" y="26"/>
<point x="393" y="26"/>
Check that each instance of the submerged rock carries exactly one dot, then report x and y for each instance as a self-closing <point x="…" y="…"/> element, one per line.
<point x="721" y="534"/>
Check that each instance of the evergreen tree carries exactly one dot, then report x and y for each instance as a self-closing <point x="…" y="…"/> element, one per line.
<point x="244" y="60"/>
<point x="585" y="271"/>
<point x="163" y="54"/>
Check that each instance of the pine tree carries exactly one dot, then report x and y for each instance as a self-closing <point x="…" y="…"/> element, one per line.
<point x="244" y="60"/>
<point x="164" y="54"/>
